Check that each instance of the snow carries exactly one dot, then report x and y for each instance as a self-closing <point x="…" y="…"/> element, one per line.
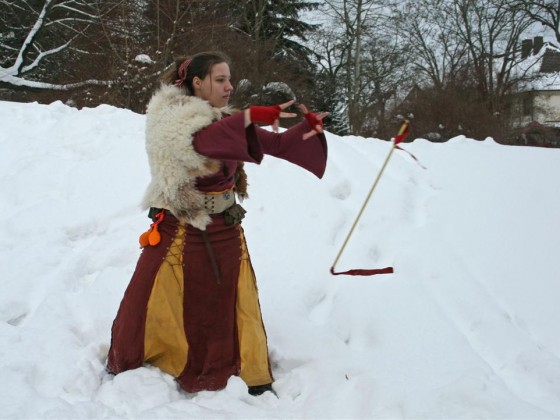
<point x="466" y="327"/>
<point x="144" y="58"/>
<point x="529" y="69"/>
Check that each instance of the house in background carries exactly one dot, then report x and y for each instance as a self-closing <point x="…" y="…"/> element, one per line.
<point x="537" y="107"/>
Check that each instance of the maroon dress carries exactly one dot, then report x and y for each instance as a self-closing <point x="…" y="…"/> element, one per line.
<point x="176" y="313"/>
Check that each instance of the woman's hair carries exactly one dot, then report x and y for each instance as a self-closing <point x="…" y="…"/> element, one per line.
<point x="200" y="66"/>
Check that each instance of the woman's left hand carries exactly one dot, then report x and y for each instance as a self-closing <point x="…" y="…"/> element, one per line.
<point x="268" y="114"/>
<point x="314" y="120"/>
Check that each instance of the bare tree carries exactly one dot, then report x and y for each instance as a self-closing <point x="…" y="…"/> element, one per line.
<point x="37" y="33"/>
<point x="491" y="31"/>
<point x="367" y="55"/>
<point x="124" y="43"/>
<point x="349" y="18"/>
<point x="385" y="62"/>
<point x="545" y="12"/>
<point x="331" y="61"/>
<point x="437" y="54"/>
<point x="469" y="55"/>
<point x="141" y="39"/>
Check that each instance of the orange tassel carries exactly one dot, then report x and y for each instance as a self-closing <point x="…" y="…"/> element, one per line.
<point x="144" y="239"/>
<point x="152" y="236"/>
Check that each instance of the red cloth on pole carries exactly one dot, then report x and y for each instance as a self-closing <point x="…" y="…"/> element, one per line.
<point x="363" y="272"/>
<point x="403" y="132"/>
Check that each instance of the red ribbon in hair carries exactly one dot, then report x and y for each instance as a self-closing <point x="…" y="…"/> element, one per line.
<point x="182" y="72"/>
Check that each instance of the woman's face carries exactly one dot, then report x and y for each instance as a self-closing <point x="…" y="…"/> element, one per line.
<point x="216" y="87"/>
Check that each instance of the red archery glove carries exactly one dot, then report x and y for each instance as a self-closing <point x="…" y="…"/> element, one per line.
<point x="264" y="114"/>
<point x="312" y="120"/>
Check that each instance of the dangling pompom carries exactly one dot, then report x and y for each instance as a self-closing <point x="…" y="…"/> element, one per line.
<point x="154" y="237"/>
<point x="144" y="239"/>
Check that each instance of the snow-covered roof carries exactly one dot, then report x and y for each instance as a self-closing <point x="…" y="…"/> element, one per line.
<point x="541" y="68"/>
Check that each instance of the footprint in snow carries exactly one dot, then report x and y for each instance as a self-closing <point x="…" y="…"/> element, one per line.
<point x="13" y="312"/>
<point x="341" y="190"/>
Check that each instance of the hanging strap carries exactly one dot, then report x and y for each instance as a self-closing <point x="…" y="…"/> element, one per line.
<point x="212" y="257"/>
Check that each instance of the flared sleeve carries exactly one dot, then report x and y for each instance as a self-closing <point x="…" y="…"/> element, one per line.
<point x="310" y="154"/>
<point x="228" y="139"/>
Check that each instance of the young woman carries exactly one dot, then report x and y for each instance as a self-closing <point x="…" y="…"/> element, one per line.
<point x="192" y="306"/>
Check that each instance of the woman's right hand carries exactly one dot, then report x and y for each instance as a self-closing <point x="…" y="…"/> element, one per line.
<point x="314" y="120"/>
<point x="268" y="114"/>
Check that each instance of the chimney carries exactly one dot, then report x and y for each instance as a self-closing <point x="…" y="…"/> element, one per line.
<point x="537" y="44"/>
<point x="526" y="47"/>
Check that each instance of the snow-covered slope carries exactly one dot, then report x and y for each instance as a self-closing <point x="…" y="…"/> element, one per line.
<point x="466" y="327"/>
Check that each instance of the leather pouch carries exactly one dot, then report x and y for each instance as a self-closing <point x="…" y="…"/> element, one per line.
<point x="234" y="214"/>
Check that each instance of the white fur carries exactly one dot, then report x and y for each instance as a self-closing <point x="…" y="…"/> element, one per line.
<point x="172" y="119"/>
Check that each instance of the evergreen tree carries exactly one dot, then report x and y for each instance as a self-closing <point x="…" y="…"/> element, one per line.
<point x="277" y="23"/>
<point x="273" y="35"/>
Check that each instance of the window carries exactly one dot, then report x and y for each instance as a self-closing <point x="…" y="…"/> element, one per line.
<point x="528" y="105"/>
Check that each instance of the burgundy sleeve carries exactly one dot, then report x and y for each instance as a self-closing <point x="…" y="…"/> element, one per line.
<point x="310" y="154"/>
<point x="228" y="139"/>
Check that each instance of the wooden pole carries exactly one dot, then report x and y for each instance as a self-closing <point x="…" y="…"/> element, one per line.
<point x="363" y="206"/>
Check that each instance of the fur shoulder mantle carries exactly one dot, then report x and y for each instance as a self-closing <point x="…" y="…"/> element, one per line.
<point x="172" y="119"/>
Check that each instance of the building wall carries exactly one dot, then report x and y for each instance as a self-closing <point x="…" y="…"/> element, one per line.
<point x="547" y="108"/>
<point x="540" y="106"/>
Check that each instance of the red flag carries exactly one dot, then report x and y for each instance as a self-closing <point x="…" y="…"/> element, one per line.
<point x="403" y="132"/>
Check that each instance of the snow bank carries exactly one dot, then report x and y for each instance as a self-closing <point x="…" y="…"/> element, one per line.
<point x="466" y="327"/>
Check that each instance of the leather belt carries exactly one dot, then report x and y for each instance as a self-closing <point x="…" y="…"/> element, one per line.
<point x="218" y="203"/>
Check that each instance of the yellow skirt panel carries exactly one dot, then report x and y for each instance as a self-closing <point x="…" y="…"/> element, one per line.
<point x="255" y="368"/>
<point x="165" y="343"/>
